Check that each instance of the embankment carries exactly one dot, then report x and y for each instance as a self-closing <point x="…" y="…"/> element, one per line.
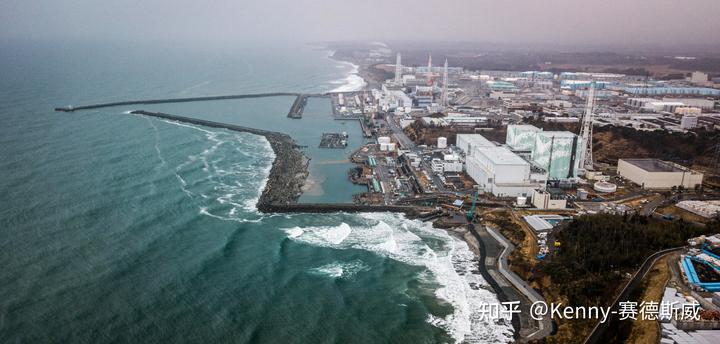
<point x="289" y="169"/>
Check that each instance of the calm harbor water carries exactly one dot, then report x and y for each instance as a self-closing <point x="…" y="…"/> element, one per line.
<point x="122" y="228"/>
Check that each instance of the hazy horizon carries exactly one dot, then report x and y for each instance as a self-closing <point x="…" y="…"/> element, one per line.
<point x="563" y="24"/>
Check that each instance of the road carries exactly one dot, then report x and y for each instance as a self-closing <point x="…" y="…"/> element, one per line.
<point x="545" y="325"/>
<point x="404" y="141"/>
<point x="650" y="207"/>
<point x="601" y="327"/>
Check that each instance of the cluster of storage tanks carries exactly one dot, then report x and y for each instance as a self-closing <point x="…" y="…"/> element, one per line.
<point x="386" y="145"/>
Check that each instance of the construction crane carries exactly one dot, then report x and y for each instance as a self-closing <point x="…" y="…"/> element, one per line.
<point x="471" y="211"/>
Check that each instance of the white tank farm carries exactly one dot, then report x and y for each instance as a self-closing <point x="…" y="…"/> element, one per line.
<point x="604" y="187"/>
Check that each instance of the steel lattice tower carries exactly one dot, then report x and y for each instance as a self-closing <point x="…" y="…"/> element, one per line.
<point x="586" y="154"/>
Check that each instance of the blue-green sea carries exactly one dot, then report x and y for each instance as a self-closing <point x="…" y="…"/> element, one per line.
<point x="118" y="228"/>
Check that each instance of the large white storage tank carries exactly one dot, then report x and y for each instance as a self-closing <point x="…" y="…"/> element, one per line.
<point x="391" y="147"/>
<point x="604" y="187"/>
<point x="442" y="142"/>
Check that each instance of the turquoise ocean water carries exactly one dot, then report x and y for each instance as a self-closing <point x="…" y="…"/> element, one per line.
<point x="117" y="228"/>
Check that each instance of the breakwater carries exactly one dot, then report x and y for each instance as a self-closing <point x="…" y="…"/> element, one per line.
<point x="289" y="169"/>
<point x="189" y="99"/>
<point x="298" y="106"/>
<point x="410" y="211"/>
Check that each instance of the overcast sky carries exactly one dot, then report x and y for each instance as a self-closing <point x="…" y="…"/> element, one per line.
<point x="602" y="22"/>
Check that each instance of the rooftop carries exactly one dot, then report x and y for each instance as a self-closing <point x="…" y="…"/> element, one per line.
<point x="524" y="127"/>
<point x="502" y="156"/>
<point x="556" y="133"/>
<point x="476" y="140"/>
<point x="654" y="165"/>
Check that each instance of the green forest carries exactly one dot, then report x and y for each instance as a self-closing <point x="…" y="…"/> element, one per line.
<point x="597" y="249"/>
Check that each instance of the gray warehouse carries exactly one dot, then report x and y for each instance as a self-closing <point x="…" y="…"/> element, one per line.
<point x="658" y="174"/>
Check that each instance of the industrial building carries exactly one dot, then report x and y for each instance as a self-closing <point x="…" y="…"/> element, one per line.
<point x="503" y="173"/>
<point x="696" y="91"/>
<point x="658" y="174"/>
<point x="555" y="151"/>
<point x="549" y="199"/>
<point x="469" y="142"/>
<point x="521" y="137"/>
<point x="689" y="122"/>
<point x="704" y="104"/>
<point x="497" y="169"/>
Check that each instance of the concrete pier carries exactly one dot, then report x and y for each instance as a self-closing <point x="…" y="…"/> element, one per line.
<point x="298" y="106"/>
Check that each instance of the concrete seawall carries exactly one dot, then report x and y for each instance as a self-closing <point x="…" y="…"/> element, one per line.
<point x="184" y="100"/>
<point x="410" y="211"/>
<point x="289" y="169"/>
<point x="298" y="106"/>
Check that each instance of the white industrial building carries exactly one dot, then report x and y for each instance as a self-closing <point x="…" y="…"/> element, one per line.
<point x="497" y="169"/>
<point x="449" y="163"/>
<point x="688" y="110"/>
<point x="689" y="122"/>
<point x="545" y="199"/>
<point x="658" y="174"/>
<point x="442" y="142"/>
<point x="704" y="104"/>
<point x="468" y="142"/>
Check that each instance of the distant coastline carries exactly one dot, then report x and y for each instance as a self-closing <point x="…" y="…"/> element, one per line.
<point x="371" y="77"/>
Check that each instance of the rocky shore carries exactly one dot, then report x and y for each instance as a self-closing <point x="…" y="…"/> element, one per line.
<point x="287" y="175"/>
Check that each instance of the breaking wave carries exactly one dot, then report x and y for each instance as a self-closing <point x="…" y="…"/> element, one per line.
<point x="227" y="177"/>
<point x="448" y="259"/>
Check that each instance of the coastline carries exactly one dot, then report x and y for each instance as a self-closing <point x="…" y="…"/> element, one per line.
<point x="372" y="78"/>
<point x="288" y="175"/>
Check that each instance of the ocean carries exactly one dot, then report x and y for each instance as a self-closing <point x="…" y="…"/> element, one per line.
<point x="118" y="228"/>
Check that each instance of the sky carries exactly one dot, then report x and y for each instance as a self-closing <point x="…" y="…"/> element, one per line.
<point x="559" y="22"/>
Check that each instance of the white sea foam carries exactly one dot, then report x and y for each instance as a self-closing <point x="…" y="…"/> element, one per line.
<point x="225" y="187"/>
<point x="352" y="82"/>
<point x="342" y="270"/>
<point x="448" y="259"/>
<point x="321" y="235"/>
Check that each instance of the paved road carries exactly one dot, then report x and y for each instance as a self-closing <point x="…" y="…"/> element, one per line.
<point x="650" y="207"/>
<point x="601" y="327"/>
<point x="405" y="141"/>
<point x="544" y="326"/>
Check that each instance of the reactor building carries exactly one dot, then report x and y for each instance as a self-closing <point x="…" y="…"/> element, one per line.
<point x="497" y="169"/>
<point x="553" y="151"/>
